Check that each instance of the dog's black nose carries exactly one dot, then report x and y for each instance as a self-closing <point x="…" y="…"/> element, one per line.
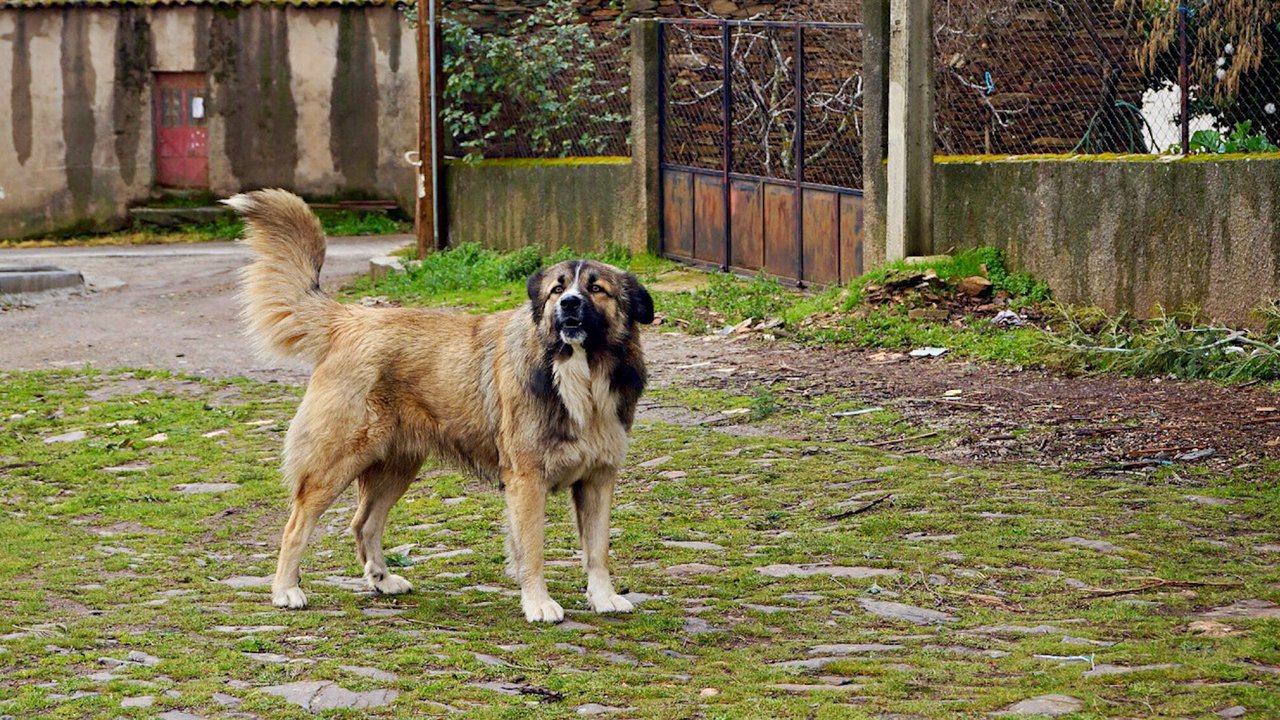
<point x="570" y="302"/>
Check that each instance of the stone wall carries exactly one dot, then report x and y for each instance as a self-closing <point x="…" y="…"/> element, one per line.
<point x="508" y="204"/>
<point x="321" y="100"/>
<point x="1125" y="235"/>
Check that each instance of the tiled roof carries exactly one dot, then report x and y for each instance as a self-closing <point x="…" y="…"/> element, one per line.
<point x="174" y="3"/>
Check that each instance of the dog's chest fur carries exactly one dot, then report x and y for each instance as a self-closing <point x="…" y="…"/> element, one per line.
<point x="591" y="405"/>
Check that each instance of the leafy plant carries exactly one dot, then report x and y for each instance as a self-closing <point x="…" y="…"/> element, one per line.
<point x="540" y="71"/>
<point x="1240" y="140"/>
<point x="1023" y="287"/>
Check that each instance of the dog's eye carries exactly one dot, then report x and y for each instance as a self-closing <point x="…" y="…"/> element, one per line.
<point x="557" y="290"/>
<point x="596" y="289"/>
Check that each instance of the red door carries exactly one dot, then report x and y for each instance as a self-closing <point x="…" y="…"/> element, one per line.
<point x="182" y="133"/>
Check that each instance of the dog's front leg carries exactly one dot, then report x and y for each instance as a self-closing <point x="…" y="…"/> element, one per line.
<point x="592" y="503"/>
<point x="526" y="515"/>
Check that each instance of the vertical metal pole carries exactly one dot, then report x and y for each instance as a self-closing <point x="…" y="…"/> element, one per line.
<point x="437" y="127"/>
<point x="1184" y="80"/>
<point x="424" y="208"/>
<point x="726" y="37"/>
<point x="430" y="229"/>
<point x="662" y="135"/>
<point x="799" y="150"/>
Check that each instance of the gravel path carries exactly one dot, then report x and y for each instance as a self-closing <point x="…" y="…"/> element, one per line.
<point x="175" y="311"/>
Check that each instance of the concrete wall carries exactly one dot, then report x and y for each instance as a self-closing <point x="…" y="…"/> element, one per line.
<point x="321" y="100"/>
<point x="1124" y="235"/>
<point x="507" y="204"/>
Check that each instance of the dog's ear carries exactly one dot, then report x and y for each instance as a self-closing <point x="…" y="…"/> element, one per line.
<point x="534" y="288"/>
<point x="639" y="301"/>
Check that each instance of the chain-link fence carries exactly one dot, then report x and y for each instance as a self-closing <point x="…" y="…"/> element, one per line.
<point x="1104" y="76"/>
<point x="550" y="84"/>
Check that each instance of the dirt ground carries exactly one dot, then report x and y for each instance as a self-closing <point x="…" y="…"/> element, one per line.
<point x="177" y="311"/>
<point x="995" y="413"/>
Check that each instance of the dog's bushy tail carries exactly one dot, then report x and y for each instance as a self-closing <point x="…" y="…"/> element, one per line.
<point x="283" y="307"/>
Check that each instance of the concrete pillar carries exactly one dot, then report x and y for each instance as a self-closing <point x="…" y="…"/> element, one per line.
<point x="875" y="128"/>
<point x="645" y="141"/>
<point x="909" y="229"/>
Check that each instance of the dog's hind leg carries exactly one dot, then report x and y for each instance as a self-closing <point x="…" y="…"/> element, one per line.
<point x="592" y="502"/>
<point x="322" y="457"/>
<point x="380" y="487"/>
<point x="314" y="492"/>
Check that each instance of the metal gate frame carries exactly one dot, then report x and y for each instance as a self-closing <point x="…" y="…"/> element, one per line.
<point x="726" y="173"/>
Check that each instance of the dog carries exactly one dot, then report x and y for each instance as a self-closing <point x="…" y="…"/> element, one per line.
<point x="538" y="399"/>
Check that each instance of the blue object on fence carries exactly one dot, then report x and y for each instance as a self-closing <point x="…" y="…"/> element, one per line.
<point x="991" y="86"/>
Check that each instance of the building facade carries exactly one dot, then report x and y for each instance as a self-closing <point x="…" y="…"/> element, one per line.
<point x="109" y="104"/>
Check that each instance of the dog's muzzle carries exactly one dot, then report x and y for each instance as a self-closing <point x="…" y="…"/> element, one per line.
<point x="570" y="317"/>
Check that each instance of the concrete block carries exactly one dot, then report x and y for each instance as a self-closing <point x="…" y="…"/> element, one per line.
<point x="179" y="217"/>
<point x="382" y="266"/>
<point x="14" y="280"/>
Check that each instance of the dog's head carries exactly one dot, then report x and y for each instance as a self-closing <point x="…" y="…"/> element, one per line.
<point x="588" y="303"/>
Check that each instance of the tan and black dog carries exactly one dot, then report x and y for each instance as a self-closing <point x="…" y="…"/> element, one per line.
<point x="537" y="399"/>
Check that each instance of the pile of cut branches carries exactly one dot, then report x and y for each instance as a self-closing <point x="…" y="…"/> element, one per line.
<point x="1180" y="345"/>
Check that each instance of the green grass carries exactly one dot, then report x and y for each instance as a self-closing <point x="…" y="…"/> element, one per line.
<point x="484" y="280"/>
<point x="1069" y="339"/>
<point x="119" y="560"/>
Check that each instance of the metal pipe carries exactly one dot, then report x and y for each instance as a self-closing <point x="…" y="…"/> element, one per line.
<point x="727" y="161"/>
<point x="662" y="136"/>
<point x="1184" y="81"/>
<point x="716" y="22"/>
<point x="799" y="150"/>
<point x="764" y="179"/>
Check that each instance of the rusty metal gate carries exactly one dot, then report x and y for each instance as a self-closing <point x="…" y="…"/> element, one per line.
<point x="760" y="126"/>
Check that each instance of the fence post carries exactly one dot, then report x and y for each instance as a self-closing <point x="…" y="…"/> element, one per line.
<point x="1184" y="82"/>
<point x="799" y="161"/>
<point x="726" y="97"/>
<point x="910" y="173"/>
<point x="646" y="139"/>
<point x="875" y="115"/>
<point x="429" y="215"/>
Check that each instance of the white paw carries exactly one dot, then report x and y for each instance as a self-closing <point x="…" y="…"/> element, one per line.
<point x="392" y="585"/>
<point x="609" y="603"/>
<point x="291" y="598"/>
<point x="543" y="610"/>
